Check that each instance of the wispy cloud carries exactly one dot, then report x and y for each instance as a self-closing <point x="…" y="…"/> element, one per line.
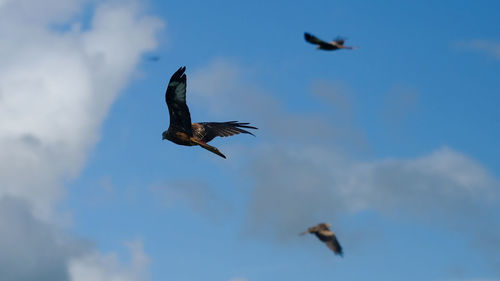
<point x="197" y="195"/>
<point x="400" y="103"/>
<point x="488" y="47"/>
<point x="224" y="86"/>
<point x="311" y="182"/>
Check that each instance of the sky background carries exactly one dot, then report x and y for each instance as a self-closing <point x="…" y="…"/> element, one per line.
<point x="395" y="144"/>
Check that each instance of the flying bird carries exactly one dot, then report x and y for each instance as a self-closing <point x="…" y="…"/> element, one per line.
<point x="336" y="44"/>
<point x="323" y="232"/>
<point x="182" y="132"/>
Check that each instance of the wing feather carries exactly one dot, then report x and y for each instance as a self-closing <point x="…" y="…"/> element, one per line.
<point x="175" y="97"/>
<point x="334" y="245"/>
<point x="313" y="39"/>
<point x="206" y="131"/>
<point x="329" y="238"/>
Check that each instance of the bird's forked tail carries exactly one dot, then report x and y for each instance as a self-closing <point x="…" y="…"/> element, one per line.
<point x="207" y="147"/>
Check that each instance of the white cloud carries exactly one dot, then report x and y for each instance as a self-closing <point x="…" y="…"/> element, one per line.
<point x="56" y="87"/>
<point x="54" y="93"/>
<point x="48" y="12"/>
<point x="31" y="249"/>
<point x="98" y="267"/>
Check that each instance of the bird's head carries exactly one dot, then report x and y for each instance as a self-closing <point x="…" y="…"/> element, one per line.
<point x="164" y="136"/>
<point x="325" y="225"/>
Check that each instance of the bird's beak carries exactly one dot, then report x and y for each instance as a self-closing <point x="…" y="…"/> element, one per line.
<point x="305" y="232"/>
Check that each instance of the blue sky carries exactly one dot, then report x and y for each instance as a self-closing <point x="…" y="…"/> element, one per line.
<point x="394" y="144"/>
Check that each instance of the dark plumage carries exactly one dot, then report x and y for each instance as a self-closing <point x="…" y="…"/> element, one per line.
<point x="323" y="232"/>
<point x="181" y="131"/>
<point x="336" y="44"/>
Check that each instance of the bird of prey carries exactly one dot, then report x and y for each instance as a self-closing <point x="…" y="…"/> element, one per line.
<point x="181" y="131"/>
<point x="323" y="232"/>
<point x="336" y="44"/>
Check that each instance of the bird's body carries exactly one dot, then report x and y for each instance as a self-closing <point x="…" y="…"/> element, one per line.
<point x="323" y="232"/>
<point x="179" y="138"/>
<point x="181" y="131"/>
<point x="336" y="44"/>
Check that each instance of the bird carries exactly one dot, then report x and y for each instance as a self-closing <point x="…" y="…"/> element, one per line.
<point x="337" y="43"/>
<point x="323" y="232"/>
<point x="182" y="132"/>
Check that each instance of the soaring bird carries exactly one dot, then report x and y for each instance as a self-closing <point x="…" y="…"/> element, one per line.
<point x="181" y="131"/>
<point x="337" y="43"/>
<point x="323" y="232"/>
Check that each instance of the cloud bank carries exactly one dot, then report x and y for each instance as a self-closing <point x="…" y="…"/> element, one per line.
<point x="302" y="174"/>
<point x="57" y="83"/>
<point x="312" y="183"/>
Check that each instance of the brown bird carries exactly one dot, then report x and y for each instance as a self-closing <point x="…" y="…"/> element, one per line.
<point x="336" y="44"/>
<point x="323" y="232"/>
<point x="181" y="131"/>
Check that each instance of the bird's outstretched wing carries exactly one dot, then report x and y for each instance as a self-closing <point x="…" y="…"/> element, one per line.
<point x="175" y="96"/>
<point x="206" y="131"/>
<point x="334" y="245"/>
<point x="330" y="240"/>
<point x="313" y="39"/>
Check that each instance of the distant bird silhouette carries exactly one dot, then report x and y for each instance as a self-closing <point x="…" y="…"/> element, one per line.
<point x="323" y="232"/>
<point x="181" y="131"/>
<point x="336" y="44"/>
